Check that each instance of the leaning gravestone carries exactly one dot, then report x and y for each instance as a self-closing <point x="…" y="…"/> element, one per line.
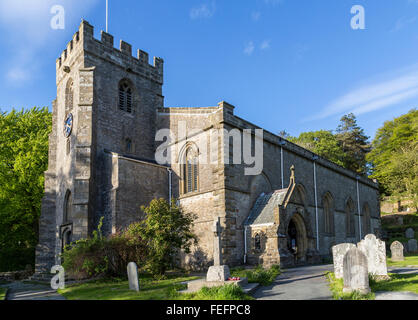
<point x="338" y="253"/>
<point x="133" y="276"/>
<point x="356" y="275"/>
<point x="412" y="246"/>
<point x="375" y="251"/>
<point x="409" y="233"/>
<point x="396" y="249"/>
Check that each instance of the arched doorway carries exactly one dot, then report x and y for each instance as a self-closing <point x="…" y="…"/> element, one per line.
<point x="297" y="240"/>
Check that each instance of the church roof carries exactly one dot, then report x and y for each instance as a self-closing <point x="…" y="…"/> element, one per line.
<point x="263" y="209"/>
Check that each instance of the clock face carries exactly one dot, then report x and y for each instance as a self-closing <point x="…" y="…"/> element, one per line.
<point x="68" y="125"/>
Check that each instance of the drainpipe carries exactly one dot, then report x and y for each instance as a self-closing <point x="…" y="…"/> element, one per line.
<point x="282" y="143"/>
<point x="358" y="208"/>
<point x="316" y="203"/>
<point x="169" y="184"/>
<point x="245" y="245"/>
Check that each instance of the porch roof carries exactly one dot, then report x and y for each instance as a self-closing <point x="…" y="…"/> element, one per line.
<point x="263" y="209"/>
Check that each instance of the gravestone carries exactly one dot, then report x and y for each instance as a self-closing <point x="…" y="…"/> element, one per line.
<point x="396" y="249"/>
<point x="217" y="272"/>
<point x="133" y="276"/>
<point x="338" y="253"/>
<point x="412" y="246"/>
<point x="356" y="275"/>
<point x="375" y="251"/>
<point x="405" y="247"/>
<point x="409" y="233"/>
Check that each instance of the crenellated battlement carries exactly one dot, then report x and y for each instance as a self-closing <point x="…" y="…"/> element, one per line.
<point x="104" y="48"/>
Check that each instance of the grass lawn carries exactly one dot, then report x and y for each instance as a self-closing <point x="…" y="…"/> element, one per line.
<point x="411" y="260"/>
<point x="259" y="275"/>
<point x="2" y="293"/>
<point x="150" y="289"/>
<point x="398" y="282"/>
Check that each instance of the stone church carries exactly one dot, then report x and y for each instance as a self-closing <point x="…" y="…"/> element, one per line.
<point x="107" y="117"/>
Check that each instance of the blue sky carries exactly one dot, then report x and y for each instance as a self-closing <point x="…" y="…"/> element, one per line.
<point x="294" y="65"/>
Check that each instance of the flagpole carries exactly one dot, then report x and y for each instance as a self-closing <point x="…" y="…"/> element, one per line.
<point x="107" y="15"/>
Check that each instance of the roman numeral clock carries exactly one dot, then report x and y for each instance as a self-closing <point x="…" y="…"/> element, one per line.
<point x="68" y="125"/>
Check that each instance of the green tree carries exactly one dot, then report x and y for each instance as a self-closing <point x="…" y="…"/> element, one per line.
<point x="394" y="142"/>
<point x="166" y="230"/>
<point x="354" y="143"/>
<point x="323" y="142"/>
<point x="405" y="174"/>
<point x="23" y="160"/>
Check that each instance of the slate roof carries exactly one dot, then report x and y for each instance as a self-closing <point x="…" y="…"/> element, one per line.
<point x="263" y="210"/>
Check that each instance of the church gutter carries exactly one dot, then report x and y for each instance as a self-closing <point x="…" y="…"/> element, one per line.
<point x="245" y="245"/>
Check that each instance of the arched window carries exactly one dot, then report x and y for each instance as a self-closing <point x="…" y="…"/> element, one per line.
<point x="366" y="220"/>
<point x="328" y="205"/>
<point x="190" y="171"/>
<point x="125" y="96"/>
<point x="69" y="96"/>
<point x="349" y="217"/>
<point x="68" y="204"/>
<point x="257" y="242"/>
<point x="128" y="145"/>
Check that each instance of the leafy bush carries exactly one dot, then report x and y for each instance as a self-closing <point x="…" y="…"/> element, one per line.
<point x="101" y="256"/>
<point x="14" y="259"/>
<point x="166" y="230"/>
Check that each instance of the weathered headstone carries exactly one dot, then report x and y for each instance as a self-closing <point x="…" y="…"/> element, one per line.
<point x="217" y="272"/>
<point x="375" y="251"/>
<point x="412" y="246"/>
<point x="396" y="249"/>
<point x="356" y="275"/>
<point x="405" y="247"/>
<point x="338" y="253"/>
<point x="409" y="233"/>
<point x="133" y="276"/>
<point x="399" y="221"/>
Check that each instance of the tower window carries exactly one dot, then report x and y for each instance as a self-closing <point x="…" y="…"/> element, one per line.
<point x="69" y="95"/>
<point x="68" y="202"/>
<point x="128" y="145"/>
<point x="125" y="97"/>
<point x="68" y="146"/>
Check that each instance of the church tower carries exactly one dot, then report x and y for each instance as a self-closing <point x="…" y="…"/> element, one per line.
<point x="106" y="104"/>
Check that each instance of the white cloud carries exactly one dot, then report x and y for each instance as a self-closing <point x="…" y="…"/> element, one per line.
<point x="203" y="11"/>
<point x="275" y="2"/>
<point x="27" y="23"/>
<point x="17" y="74"/>
<point x="375" y="96"/>
<point x="249" y="48"/>
<point x="255" y="16"/>
<point x="403" y="22"/>
<point x="265" y="45"/>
